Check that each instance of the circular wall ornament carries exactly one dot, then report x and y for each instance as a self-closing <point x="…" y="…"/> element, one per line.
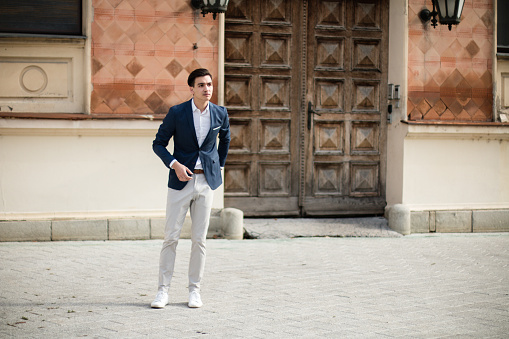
<point x="33" y="79"/>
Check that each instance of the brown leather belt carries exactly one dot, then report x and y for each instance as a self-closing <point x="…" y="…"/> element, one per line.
<point x="198" y="171"/>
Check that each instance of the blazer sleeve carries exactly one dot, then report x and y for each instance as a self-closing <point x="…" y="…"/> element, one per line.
<point x="224" y="139"/>
<point x="163" y="136"/>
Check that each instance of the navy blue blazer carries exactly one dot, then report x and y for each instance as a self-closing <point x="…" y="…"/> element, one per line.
<point x="179" y="124"/>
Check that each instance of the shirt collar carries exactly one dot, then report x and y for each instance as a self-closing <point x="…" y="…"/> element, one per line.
<point x="196" y="109"/>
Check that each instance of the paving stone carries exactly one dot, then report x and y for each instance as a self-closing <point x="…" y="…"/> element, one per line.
<point x="79" y="230"/>
<point x="128" y="229"/>
<point x="491" y="221"/>
<point x="25" y="231"/>
<point x="417" y="286"/>
<point x="419" y="222"/>
<point x="275" y="228"/>
<point x="453" y="221"/>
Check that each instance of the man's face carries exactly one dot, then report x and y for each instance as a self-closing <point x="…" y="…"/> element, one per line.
<point x="203" y="88"/>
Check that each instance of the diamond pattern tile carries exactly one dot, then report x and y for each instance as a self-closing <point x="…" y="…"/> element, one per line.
<point x="451" y="66"/>
<point x="142" y="53"/>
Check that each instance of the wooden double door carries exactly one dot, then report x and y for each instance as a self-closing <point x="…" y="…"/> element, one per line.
<point x="305" y="82"/>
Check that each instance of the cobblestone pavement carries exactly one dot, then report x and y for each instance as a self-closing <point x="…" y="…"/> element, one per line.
<point x="418" y="286"/>
<point x="276" y="228"/>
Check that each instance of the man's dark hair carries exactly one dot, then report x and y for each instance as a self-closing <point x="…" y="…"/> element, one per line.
<point x="199" y="72"/>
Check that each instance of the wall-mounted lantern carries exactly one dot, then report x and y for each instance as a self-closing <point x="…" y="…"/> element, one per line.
<point x="210" y="6"/>
<point x="448" y="11"/>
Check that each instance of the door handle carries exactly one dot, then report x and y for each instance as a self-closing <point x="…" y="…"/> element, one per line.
<point x="311" y="111"/>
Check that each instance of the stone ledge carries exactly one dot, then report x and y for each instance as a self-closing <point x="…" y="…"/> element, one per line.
<point x="226" y="223"/>
<point x="491" y="221"/>
<point x="25" y="231"/>
<point x="79" y="230"/>
<point x="419" y="222"/>
<point x="129" y="229"/>
<point x="462" y="221"/>
<point x="453" y="221"/>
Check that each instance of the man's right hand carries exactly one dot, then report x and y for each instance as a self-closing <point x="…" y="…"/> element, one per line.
<point x="183" y="173"/>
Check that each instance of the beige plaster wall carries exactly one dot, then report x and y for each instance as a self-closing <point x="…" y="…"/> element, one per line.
<point x="456" y="167"/>
<point x="398" y="70"/>
<point x="81" y="169"/>
<point x="440" y="167"/>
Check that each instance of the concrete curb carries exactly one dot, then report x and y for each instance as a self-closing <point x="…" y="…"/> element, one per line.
<point x="229" y="223"/>
<point x="226" y="223"/>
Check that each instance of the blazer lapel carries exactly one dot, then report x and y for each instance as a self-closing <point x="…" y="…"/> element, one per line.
<point x="214" y="121"/>
<point x="189" y="117"/>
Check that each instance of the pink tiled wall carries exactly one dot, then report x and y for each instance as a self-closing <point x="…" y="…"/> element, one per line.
<point x="143" y="52"/>
<point x="450" y="72"/>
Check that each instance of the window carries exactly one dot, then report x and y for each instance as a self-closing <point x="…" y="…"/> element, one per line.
<point x="50" y="17"/>
<point x="503" y="27"/>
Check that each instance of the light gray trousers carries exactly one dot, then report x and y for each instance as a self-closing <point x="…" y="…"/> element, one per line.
<point x="197" y="196"/>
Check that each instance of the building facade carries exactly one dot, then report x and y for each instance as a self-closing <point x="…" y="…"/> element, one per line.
<point x="336" y="108"/>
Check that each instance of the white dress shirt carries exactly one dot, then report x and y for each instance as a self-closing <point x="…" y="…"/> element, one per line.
<point x="201" y="127"/>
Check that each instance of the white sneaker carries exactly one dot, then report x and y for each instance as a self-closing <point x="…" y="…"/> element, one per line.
<point x="195" y="300"/>
<point x="160" y="301"/>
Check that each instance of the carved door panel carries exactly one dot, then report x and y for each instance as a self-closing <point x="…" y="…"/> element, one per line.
<point x="346" y="81"/>
<point x="262" y="93"/>
<point x="281" y="55"/>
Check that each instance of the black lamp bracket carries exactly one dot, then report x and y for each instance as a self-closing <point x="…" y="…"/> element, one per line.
<point x="425" y="15"/>
<point x="198" y="4"/>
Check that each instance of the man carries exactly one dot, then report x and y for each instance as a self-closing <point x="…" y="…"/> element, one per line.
<point x="195" y="171"/>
